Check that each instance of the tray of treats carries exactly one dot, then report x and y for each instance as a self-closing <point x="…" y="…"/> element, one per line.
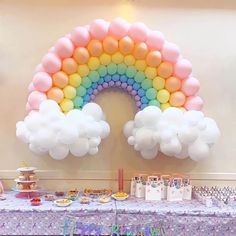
<point x="97" y="192"/>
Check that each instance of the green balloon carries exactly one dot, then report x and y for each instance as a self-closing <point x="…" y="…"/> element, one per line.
<point x="139" y="77"/>
<point x="81" y="91"/>
<point x="121" y="69"/>
<point x="151" y="93"/>
<point x="94" y="76"/>
<point x="102" y="70"/>
<point x="146" y="84"/>
<point x="78" y="102"/>
<point x="86" y="82"/>
<point x="111" y="69"/>
<point x="131" y="71"/>
<point x="154" y="103"/>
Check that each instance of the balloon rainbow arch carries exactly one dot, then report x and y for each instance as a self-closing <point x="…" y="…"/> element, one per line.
<point x="62" y="118"/>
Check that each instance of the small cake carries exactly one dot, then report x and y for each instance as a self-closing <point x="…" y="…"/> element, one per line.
<point x="104" y="199"/>
<point x="59" y="193"/>
<point x="84" y="200"/>
<point x="35" y="201"/>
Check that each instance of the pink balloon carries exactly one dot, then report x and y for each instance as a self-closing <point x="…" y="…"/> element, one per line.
<point x="80" y="36"/>
<point x="118" y="28"/>
<point x="111" y="83"/>
<point x="33" y="112"/>
<point x="155" y="40"/>
<point x="31" y="87"/>
<point x="95" y="91"/>
<point x="64" y="48"/>
<point x="99" y="29"/>
<point x="35" y="99"/>
<point x="39" y="67"/>
<point x="28" y="107"/>
<point x="138" y="31"/>
<point x="51" y="63"/>
<point x="42" y="81"/>
<point x="170" y="52"/>
<point x="190" y="86"/>
<point x="193" y="103"/>
<point x="129" y="88"/>
<point x="182" y="69"/>
<point x="99" y="88"/>
<point x="105" y="85"/>
<point x="51" y="49"/>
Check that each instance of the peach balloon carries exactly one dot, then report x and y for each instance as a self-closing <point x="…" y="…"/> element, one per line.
<point x="60" y="79"/>
<point x="80" y="36"/>
<point x="170" y="52"/>
<point x="165" y="70"/>
<point x="42" y="81"/>
<point x="183" y="68"/>
<point x="172" y="84"/>
<point x="110" y="45"/>
<point x="193" y="103"/>
<point x="69" y="66"/>
<point x="138" y="31"/>
<point x="140" y="50"/>
<point x="190" y="86"/>
<point x="81" y="55"/>
<point x="35" y="98"/>
<point x="153" y="58"/>
<point x="95" y="48"/>
<point x="99" y="28"/>
<point x="51" y="63"/>
<point x="64" y="47"/>
<point x="155" y="40"/>
<point x="177" y="99"/>
<point x="118" y="28"/>
<point x="55" y="94"/>
<point x="126" y="45"/>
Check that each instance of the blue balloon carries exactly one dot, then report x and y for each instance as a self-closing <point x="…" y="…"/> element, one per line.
<point x="107" y="78"/>
<point x="143" y="106"/>
<point x="144" y="100"/>
<point x="141" y="92"/>
<point x="123" y="78"/>
<point x="115" y="77"/>
<point x="94" y="85"/>
<point x="130" y="81"/>
<point x="90" y="91"/>
<point x="101" y="80"/>
<point x="86" y="98"/>
<point x="136" y="86"/>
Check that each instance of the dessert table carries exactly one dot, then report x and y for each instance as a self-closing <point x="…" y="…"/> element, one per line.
<point x="129" y="217"/>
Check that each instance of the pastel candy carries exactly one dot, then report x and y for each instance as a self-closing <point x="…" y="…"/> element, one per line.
<point x="51" y="63"/>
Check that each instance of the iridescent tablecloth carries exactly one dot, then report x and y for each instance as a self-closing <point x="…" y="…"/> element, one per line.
<point x="18" y="217"/>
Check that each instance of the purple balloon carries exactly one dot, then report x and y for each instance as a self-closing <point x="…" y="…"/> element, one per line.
<point x="124" y="85"/>
<point x="129" y="88"/>
<point x="95" y="91"/>
<point x="100" y="88"/>
<point x="118" y="83"/>
<point x="137" y="98"/>
<point x="133" y="92"/>
<point x="111" y="83"/>
<point x="138" y="103"/>
<point x="92" y="96"/>
<point x="105" y="85"/>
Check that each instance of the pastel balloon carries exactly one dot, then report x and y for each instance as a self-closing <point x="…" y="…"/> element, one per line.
<point x="64" y="47"/>
<point x="66" y="105"/>
<point x="35" y="99"/>
<point x="110" y="45"/>
<point x="150" y="72"/>
<point x="190" y="86"/>
<point x="95" y="47"/>
<point x="69" y="92"/>
<point x="140" y="65"/>
<point x="138" y="31"/>
<point x="177" y="99"/>
<point x="155" y="40"/>
<point x="165" y="70"/>
<point x="183" y="68"/>
<point x="153" y="58"/>
<point x="126" y="45"/>
<point x="194" y="103"/>
<point x="31" y="87"/>
<point x="151" y="93"/>
<point x="164" y="106"/>
<point x="81" y="55"/>
<point x="117" y="58"/>
<point x="140" y="50"/>
<point x="163" y="96"/>
<point x="80" y="36"/>
<point x="69" y="66"/>
<point x="99" y="28"/>
<point x="60" y="79"/>
<point x="118" y="28"/>
<point x="55" y="94"/>
<point x="42" y="81"/>
<point x="75" y="80"/>
<point x="93" y="63"/>
<point x="39" y="68"/>
<point x="173" y="84"/>
<point x="51" y="63"/>
<point x="129" y="60"/>
<point x="83" y="70"/>
<point x="170" y="52"/>
<point x="105" y="59"/>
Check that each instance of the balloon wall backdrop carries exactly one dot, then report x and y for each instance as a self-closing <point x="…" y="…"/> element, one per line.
<point x="62" y="118"/>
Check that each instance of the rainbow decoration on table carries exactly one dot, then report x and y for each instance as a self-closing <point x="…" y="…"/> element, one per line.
<point x="115" y="54"/>
<point x="62" y="118"/>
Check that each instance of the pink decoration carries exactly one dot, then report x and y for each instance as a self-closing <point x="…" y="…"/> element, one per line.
<point x="99" y="29"/>
<point x="35" y="99"/>
<point x="111" y="83"/>
<point x="51" y="63"/>
<point x="95" y="91"/>
<point x="28" y="107"/>
<point x="120" y="180"/>
<point x="80" y="36"/>
<point x="118" y="83"/>
<point x="194" y="103"/>
<point x="137" y="98"/>
<point x="138" y="103"/>
<point x="129" y="88"/>
<point x="190" y="86"/>
<point x="170" y="52"/>
<point x="138" y="31"/>
<point x="118" y="28"/>
<point x="42" y="81"/>
<point x="1" y="188"/>
<point x="105" y="85"/>
<point x="64" y="48"/>
<point x="39" y="68"/>
<point x="155" y="40"/>
<point x="31" y="87"/>
<point x="182" y="69"/>
<point x="100" y="88"/>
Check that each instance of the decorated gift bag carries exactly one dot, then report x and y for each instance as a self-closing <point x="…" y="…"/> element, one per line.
<point x="140" y="186"/>
<point x="187" y="188"/>
<point x="153" y="188"/>
<point x="175" y="189"/>
<point x="133" y="185"/>
<point x="165" y="180"/>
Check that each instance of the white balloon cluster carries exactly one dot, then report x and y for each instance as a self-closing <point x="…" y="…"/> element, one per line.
<point x="173" y="132"/>
<point x="51" y="131"/>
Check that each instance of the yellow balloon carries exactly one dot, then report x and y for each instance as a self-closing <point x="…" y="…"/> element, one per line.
<point x="75" y="80"/>
<point x="105" y="59"/>
<point x="129" y="60"/>
<point x="165" y="106"/>
<point x="140" y="65"/>
<point x="93" y="63"/>
<point x="158" y="83"/>
<point x="150" y="72"/>
<point x="66" y="105"/>
<point x="117" y="58"/>
<point x="69" y="92"/>
<point x="83" y="70"/>
<point x="163" y="96"/>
